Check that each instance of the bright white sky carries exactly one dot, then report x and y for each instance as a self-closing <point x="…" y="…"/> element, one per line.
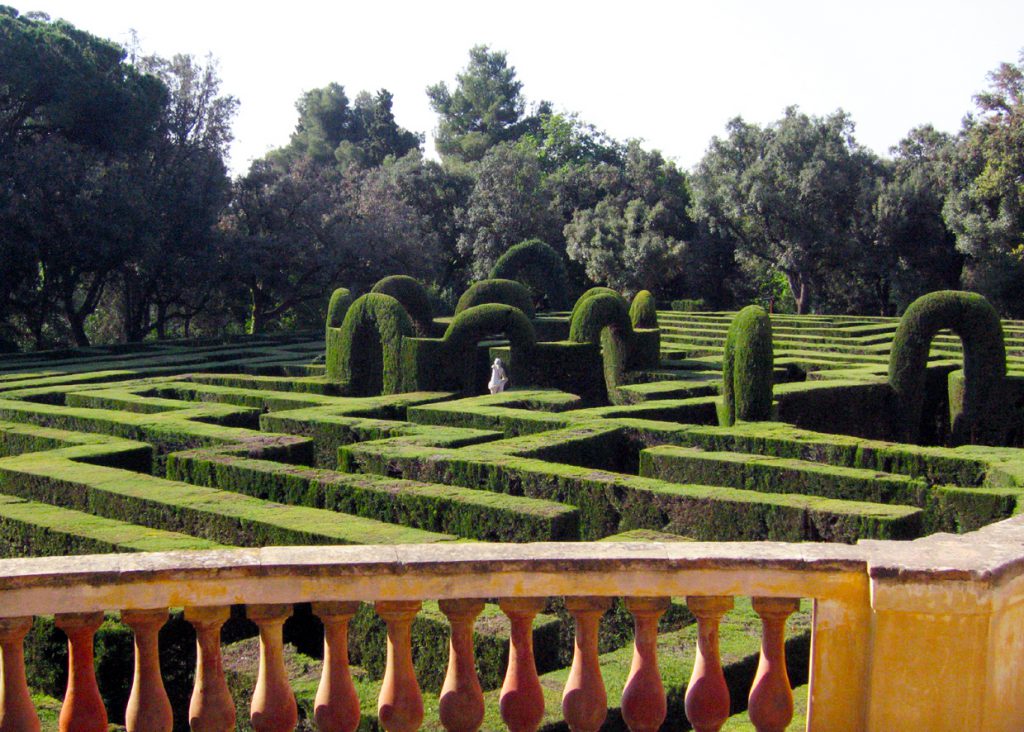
<point x="671" y="73"/>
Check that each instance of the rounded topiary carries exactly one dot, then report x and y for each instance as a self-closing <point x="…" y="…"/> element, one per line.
<point x="540" y="268"/>
<point x="598" y="308"/>
<point x="475" y="324"/>
<point x="368" y="356"/>
<point x="506" y="292"/>
<point x="644" y="312"/>
<point x="414" y="298"/>
<point x="971" y="317"/>
<point x="341" y="299"/>
<point x="747" y="366"/>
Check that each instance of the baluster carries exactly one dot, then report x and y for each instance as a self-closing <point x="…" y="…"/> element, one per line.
<point x="273" y="707"/>
<point x="522" y="699"/>
<point x="584" y="701"/>
<point x="770" y="705"/>
<point x="211" y="708"/>
<point x="643" y="698"/>
<point x="149" y="709"/>
<point x="707" y="696"/>
<point x="462" y="699"/>
<point x="83" y="709"/>
<point x="336" y="707"/>
<point x="400" y="706"/>
<point x="17" y="714"/>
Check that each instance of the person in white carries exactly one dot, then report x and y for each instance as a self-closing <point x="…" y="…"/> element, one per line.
<point x="498" y="377"/>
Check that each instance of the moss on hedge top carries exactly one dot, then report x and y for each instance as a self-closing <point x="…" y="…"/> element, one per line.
<point x="538" y="266"/>
<point x="413" y="296"/>
<point x="507" y="292"/>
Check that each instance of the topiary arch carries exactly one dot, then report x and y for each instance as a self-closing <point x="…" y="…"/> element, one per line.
<point x="976" y="322"/>
<point x="601" y="316"/>
<point x="368" y="355"/>
<point x="414" y="298"/>
<point x="479" y="322"/>
<point x="747" y="365"/>
<point x="539" y="267"/>
<point x="507" y="292"/>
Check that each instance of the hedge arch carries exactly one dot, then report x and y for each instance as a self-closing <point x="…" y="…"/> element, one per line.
<point x="339" y="304"/>
<point x="368" y="356"/>
<point x="644" y="311"/>
<point x="976" y="322"/>
<point x="602" y="318"/>
<point x="506" y="292"/>
<point x="414" y="298"/>
<point x="475" y="324"/>
<point x="538" y="266"/>
<point x="747" y="365"/>
<point x="589" y="294"/>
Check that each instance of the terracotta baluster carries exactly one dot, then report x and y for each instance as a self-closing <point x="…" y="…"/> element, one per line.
<point x="400" y="706"/>
<point x="707" y="696"/>
<point x="770" y="705"/>
<point x="149" y="709"/>
<point x="643" y="699"/>
<point x="16" y="711"/>
<point x="522" y="699"/>
<point x="336" y="707"/>
<point x="211" y="708"/>
<point x="462" y="699"/>
<point x="273" y="707"/>
<point x="83" y="709"/>
<point x="584" y="701"/>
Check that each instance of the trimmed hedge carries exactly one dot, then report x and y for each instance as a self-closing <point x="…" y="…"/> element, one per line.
<point x="589" y="294"/>
<point x="413" y="296"/>
<point x="540" y="268"/>
<point x="643" y="312"/>
<point x="368" y="357"/>
<point x="973" y="318"/>
<point x="341" y="299"/>
<point x="747" y="366"/>
<point x="505" y="292"/>
<point x="688" y="305"/>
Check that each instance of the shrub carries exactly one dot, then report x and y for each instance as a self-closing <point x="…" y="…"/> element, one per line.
<point x="414" y="298"/>
<point x="644" y="312"/>
<point x="589" y="294"/>
<point x="471" y="326"/>
<point x="747" y="365"/>
<point x="688" y="306"/>
<point x="368" y="356"/>
<point x="598" y="308"/>
<point x="341" y="299"/>
<point x="973" y="318"/>
<point x="540" y="268"/>
<point x="507" y="292"/>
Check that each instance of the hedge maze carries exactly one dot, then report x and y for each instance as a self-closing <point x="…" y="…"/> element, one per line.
<point x="623" y="423"/>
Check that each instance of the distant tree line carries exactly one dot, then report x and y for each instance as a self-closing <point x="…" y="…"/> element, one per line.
<point x="119" y="221"/>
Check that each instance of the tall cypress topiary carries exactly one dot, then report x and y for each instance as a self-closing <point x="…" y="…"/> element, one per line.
<point x="540" y="268"/>
<point x="973" y="318"/>
<point x="747" y="365"/>
<point x="340" y="301"/>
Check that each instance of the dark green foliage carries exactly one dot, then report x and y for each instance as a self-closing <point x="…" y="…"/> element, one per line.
<point x="862" y="409"/>
<point x="472" y="325"/>
<point x="368" y="358"/>
<point x="507" y="292"/>
<point x="643" y="312"/>
<point x="971" y="317"/>
<point x="341" y="299"/>
<point x="413" y="296"/>
<point x="589" y="294"/>
<point x="747" y="365"/>
<point x="540" y="268"/>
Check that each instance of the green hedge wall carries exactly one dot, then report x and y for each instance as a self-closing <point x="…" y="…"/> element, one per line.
<point x="973" y="318"/>
<point x="747" y="365"/>
<point x="505" y="292"/>
<point x="413" y="297"/>
<point x="538" y="266"/>
<point x="368" y="356"/>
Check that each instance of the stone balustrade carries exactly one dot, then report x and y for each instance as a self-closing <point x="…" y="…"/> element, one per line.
<point x="905" y="635"/>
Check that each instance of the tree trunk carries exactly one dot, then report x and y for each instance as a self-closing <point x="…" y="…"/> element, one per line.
<point x="799" y="289"/>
